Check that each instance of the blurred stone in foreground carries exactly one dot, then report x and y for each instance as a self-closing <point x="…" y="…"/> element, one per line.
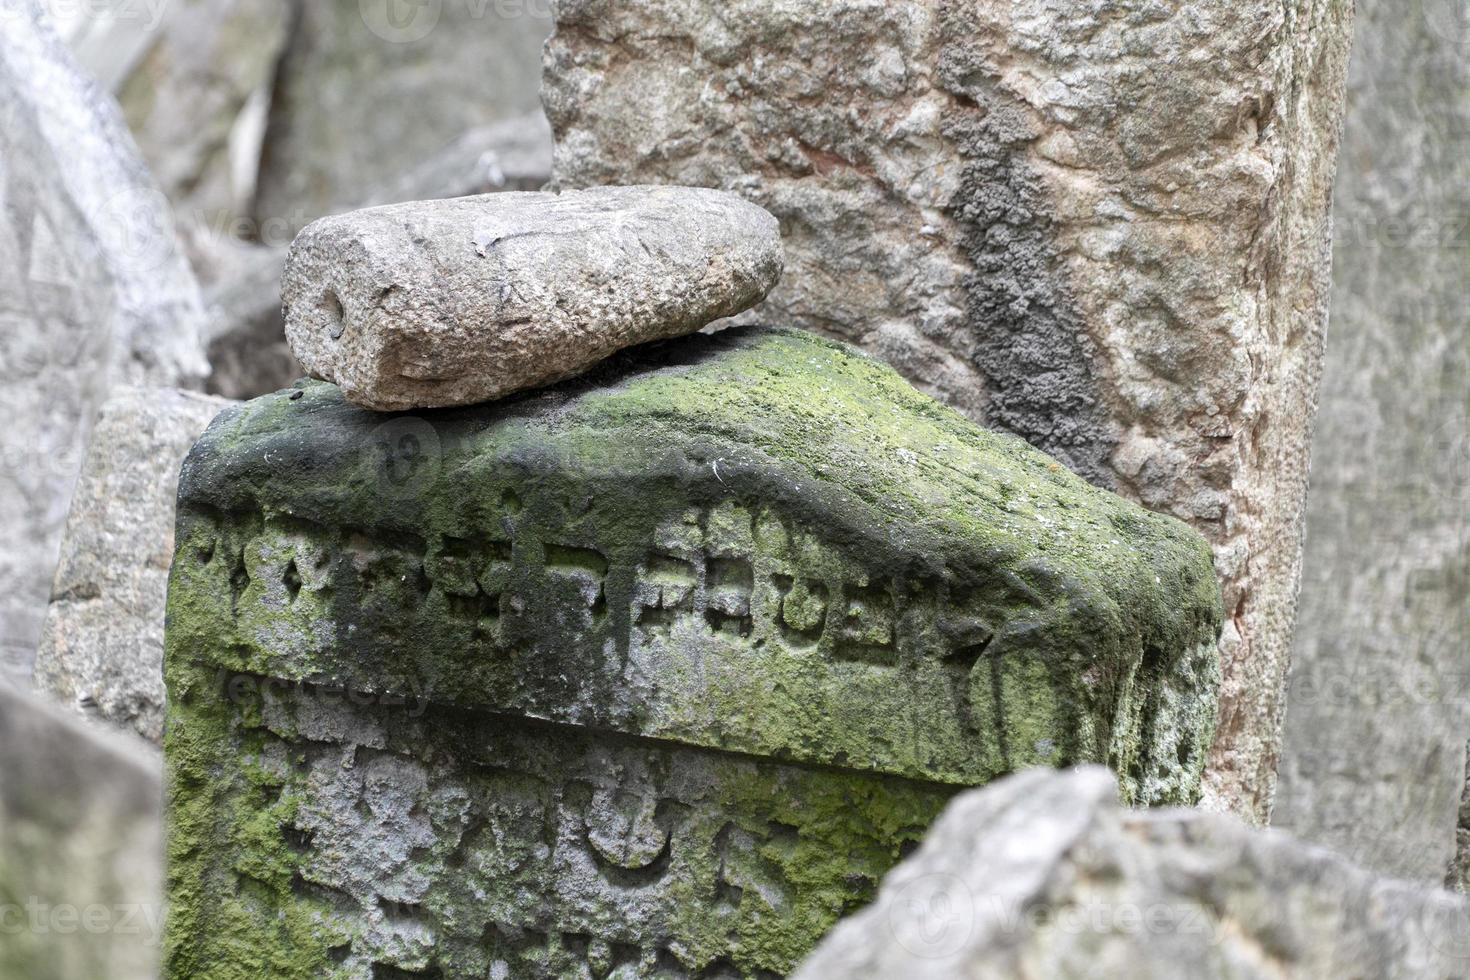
<point x="248" y="353"/>
<point x="93" y="293"/>
<point x="1045" y="875"/>
<point x="102" y="646"/>
<point x="81" y="863"/>
<point x="1379" y="702"/>
<point x="367" y="89"/>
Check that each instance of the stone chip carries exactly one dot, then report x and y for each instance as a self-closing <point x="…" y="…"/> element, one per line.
<point x="443" y="303"/>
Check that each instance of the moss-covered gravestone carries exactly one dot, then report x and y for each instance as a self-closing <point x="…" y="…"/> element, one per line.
<point x="651" y="674"/>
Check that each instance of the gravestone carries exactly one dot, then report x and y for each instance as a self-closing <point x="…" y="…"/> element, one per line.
<point x="101" y="649"/>
<point x="658" y="670"/>
<point x="1102" y="228"/>
<point x="1378" y="709"/>
<point x="93" y="293"/>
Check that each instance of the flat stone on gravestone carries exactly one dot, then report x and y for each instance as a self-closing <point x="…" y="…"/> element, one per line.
<point x="656" y="671"/>
<point x="437" y="303"/>
<point x="247" y="336"/>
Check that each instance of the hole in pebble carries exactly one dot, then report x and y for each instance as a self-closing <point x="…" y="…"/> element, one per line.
<point x="332" y="307"/>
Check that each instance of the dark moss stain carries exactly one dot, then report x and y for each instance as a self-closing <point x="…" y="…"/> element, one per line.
<point x="1028" y="337"/>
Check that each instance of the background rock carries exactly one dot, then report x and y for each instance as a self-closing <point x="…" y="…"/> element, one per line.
<point x="365" y="94"/>
<point x="184" y="98"/>
<point x="93" y="293"/>
<point x="1104" y="229"/>
<point x="1379" y="708"/>
<point x="1044" y="875"/>
<point x="102" y="645"/>
<point x="81" y="863"/>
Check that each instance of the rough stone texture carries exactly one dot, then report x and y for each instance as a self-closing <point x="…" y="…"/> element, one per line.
<point x="1043" y="875"/>
<point x="92" y="293"/>
<point x="1379" y="706"/>
<point x="248" y="353"/>
<point x="657" y="670"/>
<point x="81" y="863"/>
<point x="102" y="644"/>
<point x="439" y="303"/>
<point x="1457" y="878"/>
<point x="1102" y="227"/>
<point x="369" y="88"/>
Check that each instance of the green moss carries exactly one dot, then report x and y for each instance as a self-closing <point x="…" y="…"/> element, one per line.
<point x="841" y="601"/>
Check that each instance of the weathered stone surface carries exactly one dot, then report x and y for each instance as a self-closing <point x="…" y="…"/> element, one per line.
<point x="1379" y="705"/>
<point x="1102" y="228"/>
<point x="439" y="303"/>
<point x="92" y="293"/>
<point x="1457" y="878"/>
<point x="659" y="669"/>
<point x="81" y="862"/>
<point x="102" y="644"/>
<point x="369" y="88"/>
<point x="1044" y="875"/>
<point x="248" y="353"/>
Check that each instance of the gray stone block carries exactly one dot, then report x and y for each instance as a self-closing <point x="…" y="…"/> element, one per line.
<point x="101" y="647"/>
<point x="93" y="293"/>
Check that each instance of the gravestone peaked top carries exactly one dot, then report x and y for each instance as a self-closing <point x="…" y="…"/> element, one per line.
<point x="661" y="667"/>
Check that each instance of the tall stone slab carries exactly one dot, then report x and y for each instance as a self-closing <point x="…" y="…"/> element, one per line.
<point x="93" y="293"/>
<point x="1044" y="875"/>
<point x="1379" y="707"/>
<point x="1103" y="229"/>
<point x="655" y="672"/>
<point x="81" y="862"/>
<point x="370" y="89"/>
<point x="101" y="649"/>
